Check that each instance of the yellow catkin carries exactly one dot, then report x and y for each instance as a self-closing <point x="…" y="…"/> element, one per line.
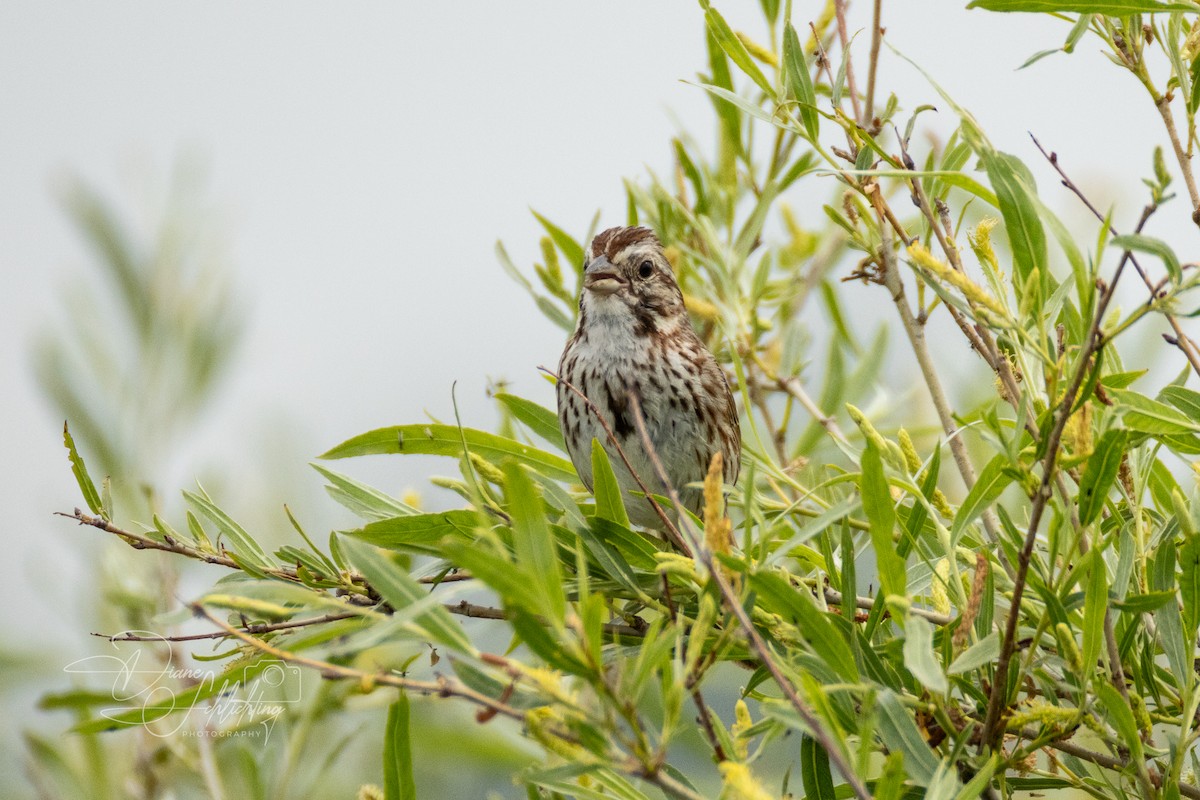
<point x="1043" y="714"/>
<point x="718" y="530"/>
<point x="550" y="256"/>
<point x="369" y="792"/>
<point x="969" y="288"/>
<point x="937" y="589"/>
<point x="911" y="459"/>
<point x="486" y="470"/>
<point x="701" y="309"/>
<point x="981" y="242"/>
<point x="740" y="784"/>
<point x="1077" y="433"/>
<point x="742" y="723"/>
<point x="412" y="498"/>
<point x="757" y="50"/>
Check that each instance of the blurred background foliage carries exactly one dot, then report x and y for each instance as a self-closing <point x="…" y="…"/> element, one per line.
<point x="883" y="657"/>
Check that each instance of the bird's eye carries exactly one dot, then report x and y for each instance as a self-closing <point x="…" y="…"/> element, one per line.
<point x="645" y="270"/>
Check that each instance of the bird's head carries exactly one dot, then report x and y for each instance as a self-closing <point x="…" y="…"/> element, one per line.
<point x="627" y="277"/>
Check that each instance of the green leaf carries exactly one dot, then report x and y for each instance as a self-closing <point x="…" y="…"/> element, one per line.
<point x="1099" y="474"/>
<point x="919" y="657"/>
<point x="814" y="770"/>
<point x="1120" y="715"/>
<point x="737" y="52"/>
<point x="1017" y="197"/>
<point x="243" y="543"/>
<point x="1142" y="414"/>
<point x="1155" y="247"/>
<point x="446" y="440"/>
<point x="540" y="420"/>
<point x="877" y="504"/>
<point x="400" y="590"/>
<point x="397" y="753"/>
<point x="900" y="733"/>
<point x="1095" y="605"/>
<point x="571" y="250"/>
<point x="1115" y="8"/>
<point x="533" y="544"/>
<point x="365" y="501"/>
<point x="985" y="651"/>
<point x="90" y="495"/>
<point x="1184" y="399"/>
<point x="1189" y="585"/>
<point x="418" y="533"/>
<point x="610" y="503"/>
<point x="799" y="83"/>
<point x="991" y="483"/>
<point x="780" y="597"/>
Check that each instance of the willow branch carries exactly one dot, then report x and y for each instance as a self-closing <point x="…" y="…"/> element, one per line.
<point x="734" y="605"/>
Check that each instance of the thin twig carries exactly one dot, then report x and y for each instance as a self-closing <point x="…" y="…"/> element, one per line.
<point x="844" y="39"/>
<point x="868" y="119"/>
<point x="734" y="605"/>
<point x="1184" y="342"/>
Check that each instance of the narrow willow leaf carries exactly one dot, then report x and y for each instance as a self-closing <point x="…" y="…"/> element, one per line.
<point x="1120" y="715"/>
<point x="610" y="503"/>
<point x="899" y="732"/>
<point x="881" y="515"/>
<point x="1155" y="247"/>
<point x="991" y="483"/>
<point x="446" y="440"/>
<point x="1189" y="585"/>
<point x="243" y="543"/>
<point x="799" y="83"/>
<point x="1142" y="414"/>
<point x="397" y="753"/>
<point x="985" y="651"/>
<point x="418" y="533"/>
<point x="1099" y="474"/>
<point x="814" y="770"/>
<point x="79" y="469"/>
<point x="533" y="544"/>
<point x="779" y="596"/>
<point x="572" y="251"/>
<point x="400" y="590"/>
<point x="1095" y="604"/>
<point x="736" y="51"/>
<point x="1167" y="618"/>
<point x="365" y="501"/>
<point x="919" y="657"/>
<point x="1115" y="8"/>
<point x="540" y="420"/>
<point x="1017" y="197"/>
<point x="1186" y="400"/>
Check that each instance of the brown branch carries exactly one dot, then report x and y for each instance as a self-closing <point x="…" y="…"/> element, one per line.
<point x="844" y="39"/>
<point x="440" y="687"/>
<point x="729" y="596"/>
<point x="868" y="120"/>
<point x="172" y="545"/>
<point x="992" y="728"/>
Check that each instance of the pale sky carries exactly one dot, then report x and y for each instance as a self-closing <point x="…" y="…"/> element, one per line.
<point x="367" y="157"/>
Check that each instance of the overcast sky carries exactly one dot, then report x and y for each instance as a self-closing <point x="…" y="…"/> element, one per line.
<point x="366" y="158"/>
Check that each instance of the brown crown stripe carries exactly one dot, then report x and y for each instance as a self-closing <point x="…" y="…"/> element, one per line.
<point x="612" y="241"/>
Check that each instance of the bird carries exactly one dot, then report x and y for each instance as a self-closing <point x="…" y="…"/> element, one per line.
<point x="633" y="335"/>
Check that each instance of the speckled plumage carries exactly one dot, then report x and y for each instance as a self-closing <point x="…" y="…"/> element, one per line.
<point x="634" y="335"/>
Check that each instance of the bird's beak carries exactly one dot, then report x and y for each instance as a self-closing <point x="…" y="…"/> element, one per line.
<point x="601" y="277"/>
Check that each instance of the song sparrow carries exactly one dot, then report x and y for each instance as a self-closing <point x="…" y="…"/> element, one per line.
<point x="634" y="335"/>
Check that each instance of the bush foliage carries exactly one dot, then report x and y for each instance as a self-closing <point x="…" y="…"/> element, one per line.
<point x="1037" y="556"/>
